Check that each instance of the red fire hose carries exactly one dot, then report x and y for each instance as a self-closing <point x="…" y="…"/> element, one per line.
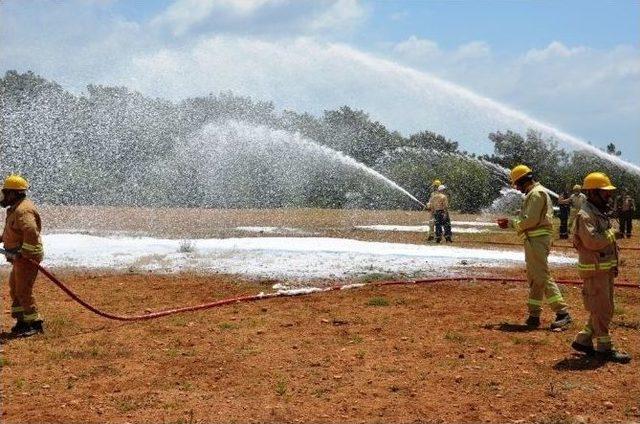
<point x="261" y="296"/>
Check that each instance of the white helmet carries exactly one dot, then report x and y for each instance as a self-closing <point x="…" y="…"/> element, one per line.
<point x="441" y="187"/>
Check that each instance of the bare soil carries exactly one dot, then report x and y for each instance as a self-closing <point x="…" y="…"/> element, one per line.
<point x="413" y="353"/>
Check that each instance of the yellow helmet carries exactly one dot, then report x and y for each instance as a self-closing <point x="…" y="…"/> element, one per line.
<point x="519" y="172"/>
<point x="437" y="182"/>
<point x="15" y="182"/>
<point x="597" y="181"/>
<point x="577" y="187"/>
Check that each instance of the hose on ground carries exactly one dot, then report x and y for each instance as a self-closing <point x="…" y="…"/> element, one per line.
<point x="261" y="296"/>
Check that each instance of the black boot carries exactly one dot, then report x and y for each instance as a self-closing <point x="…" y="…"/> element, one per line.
<point x="562" y="320"/>
<point x="449" y="239"/>
<point x="613" y="355"/>
<point x="37" y="326"/>
<point x="532" y="322"/>
<point x="438" y="240"/>
<point x="22" y="329"/>
<point x="430" y="238"/>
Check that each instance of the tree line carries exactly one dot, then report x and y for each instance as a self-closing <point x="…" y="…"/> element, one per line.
<point x="115" y="146"/>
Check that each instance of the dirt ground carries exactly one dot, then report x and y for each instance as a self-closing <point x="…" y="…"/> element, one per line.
<point x="413" y="353"/>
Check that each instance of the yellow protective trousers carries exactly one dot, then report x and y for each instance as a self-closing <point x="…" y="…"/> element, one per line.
<point x="541" y="285"/>
<point x="597" y="294"/>
<point x="21" y="281"/>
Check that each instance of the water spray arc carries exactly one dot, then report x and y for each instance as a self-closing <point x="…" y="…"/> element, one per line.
<point x="420" y="79"/>
<point x="217" y="146"/>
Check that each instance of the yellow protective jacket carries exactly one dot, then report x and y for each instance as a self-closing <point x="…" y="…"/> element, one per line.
<point x="595" y="241"/>
<point x="22" y="230"/>
<point x="536" y="215"/>
<point x="439" y="202"/>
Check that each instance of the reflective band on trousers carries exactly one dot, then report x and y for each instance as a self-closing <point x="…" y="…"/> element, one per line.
<point x="601" y="265"/>
<point x="534" y="302"/>
<point x="555" y="299"/>
<point x="535" y="233"/>
<point x="31" y="317"/>
<point x="17" y="309"/>
<point x="604" y="339"/>
<point x="33" y="249"/>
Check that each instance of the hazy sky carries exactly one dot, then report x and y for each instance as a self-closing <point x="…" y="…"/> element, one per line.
<point x="572" y="64"/>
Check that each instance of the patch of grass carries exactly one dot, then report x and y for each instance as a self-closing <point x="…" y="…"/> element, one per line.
<point x="3" y="362"/>
<point x="360" y="354"/>
<point x="228" y="326"/>
<point x="378" y="301"/>
<point x="20" y="383"/>
<point x="281" y="388"/>
<point x="356" y="339"/>
<point x="454" y="337"/>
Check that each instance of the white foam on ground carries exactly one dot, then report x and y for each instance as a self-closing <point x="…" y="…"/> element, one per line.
<point x="273" y="257"/>
<point x="271" y="230"/>
<point x="418" y="228"/>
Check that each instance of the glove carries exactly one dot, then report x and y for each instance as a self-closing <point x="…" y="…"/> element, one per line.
<point x="611" y="236"/>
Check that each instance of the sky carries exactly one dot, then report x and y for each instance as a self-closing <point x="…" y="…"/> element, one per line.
<point x="461" y="68"/>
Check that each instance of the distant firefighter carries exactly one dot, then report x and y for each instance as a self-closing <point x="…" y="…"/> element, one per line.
<point x="434" y="189"/>
<point x="625" y="206"/>
<point x="577" y="198"/>
<point x="534" y="226"/>
<point x="595" y="241"/>
<point x="564" y="204"/>
<point x="440" y="206"/>
<point x="21" y="237"/>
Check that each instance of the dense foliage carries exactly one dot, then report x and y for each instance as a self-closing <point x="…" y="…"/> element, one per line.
<point x="114" y="146"/>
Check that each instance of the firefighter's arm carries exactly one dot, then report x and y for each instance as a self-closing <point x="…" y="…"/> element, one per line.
<point x="530" y="215"/>
<point x="31" y="245"/>
<point x="589" y="235"/>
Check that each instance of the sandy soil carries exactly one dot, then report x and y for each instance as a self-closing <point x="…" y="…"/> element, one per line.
<point x="418" y="353"/>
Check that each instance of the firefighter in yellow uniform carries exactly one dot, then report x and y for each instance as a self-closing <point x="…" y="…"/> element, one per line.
<point x="595" y="241"/>
<point x="21" y="237"/>
<point x="432" y="221"/>
<point x="534" y="226"/>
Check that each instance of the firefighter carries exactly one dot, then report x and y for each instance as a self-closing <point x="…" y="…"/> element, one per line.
<point x="595" y="241"/>
<point x="534" y="226"/>
<point x="440" y="207"/>
<point x="564" y="204"/>
<point x="21" y="237"/>
<point x="625" y="206"/>
<point x="434" y="189"/>
<point x="576" y="200"/>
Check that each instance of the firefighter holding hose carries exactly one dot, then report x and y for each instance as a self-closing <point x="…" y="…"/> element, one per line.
<point x="432" y="221"/>
<point x="595" y="241"/>
<point x="535" y="226"/>
<point x="21" y="238"/>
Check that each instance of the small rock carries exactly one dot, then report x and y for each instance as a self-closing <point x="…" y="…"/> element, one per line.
<point x="337" y="377"/>
<point x="260" y="332"/>
<point x="458" y="378"/>
<point x="404" y="338"/>
<point x="46" y="386"/>
<point x="461" y="356"/>
<point x="608" y="405"/>
<point x="147" y="311"/>
<point x="263" y="309"/>
<point x="481" y="350"/>
<point x="324" y="321"/>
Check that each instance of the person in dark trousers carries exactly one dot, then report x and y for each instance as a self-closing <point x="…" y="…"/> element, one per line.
<point x="625" y="206"/>
<point x="564" y="203"/>
<point x="440" y="206"/>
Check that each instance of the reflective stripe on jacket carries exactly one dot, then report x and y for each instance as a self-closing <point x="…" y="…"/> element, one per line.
<point x="22" y="229"/>
<point x="595" y="241"/>
<point x="536" y="215"/>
